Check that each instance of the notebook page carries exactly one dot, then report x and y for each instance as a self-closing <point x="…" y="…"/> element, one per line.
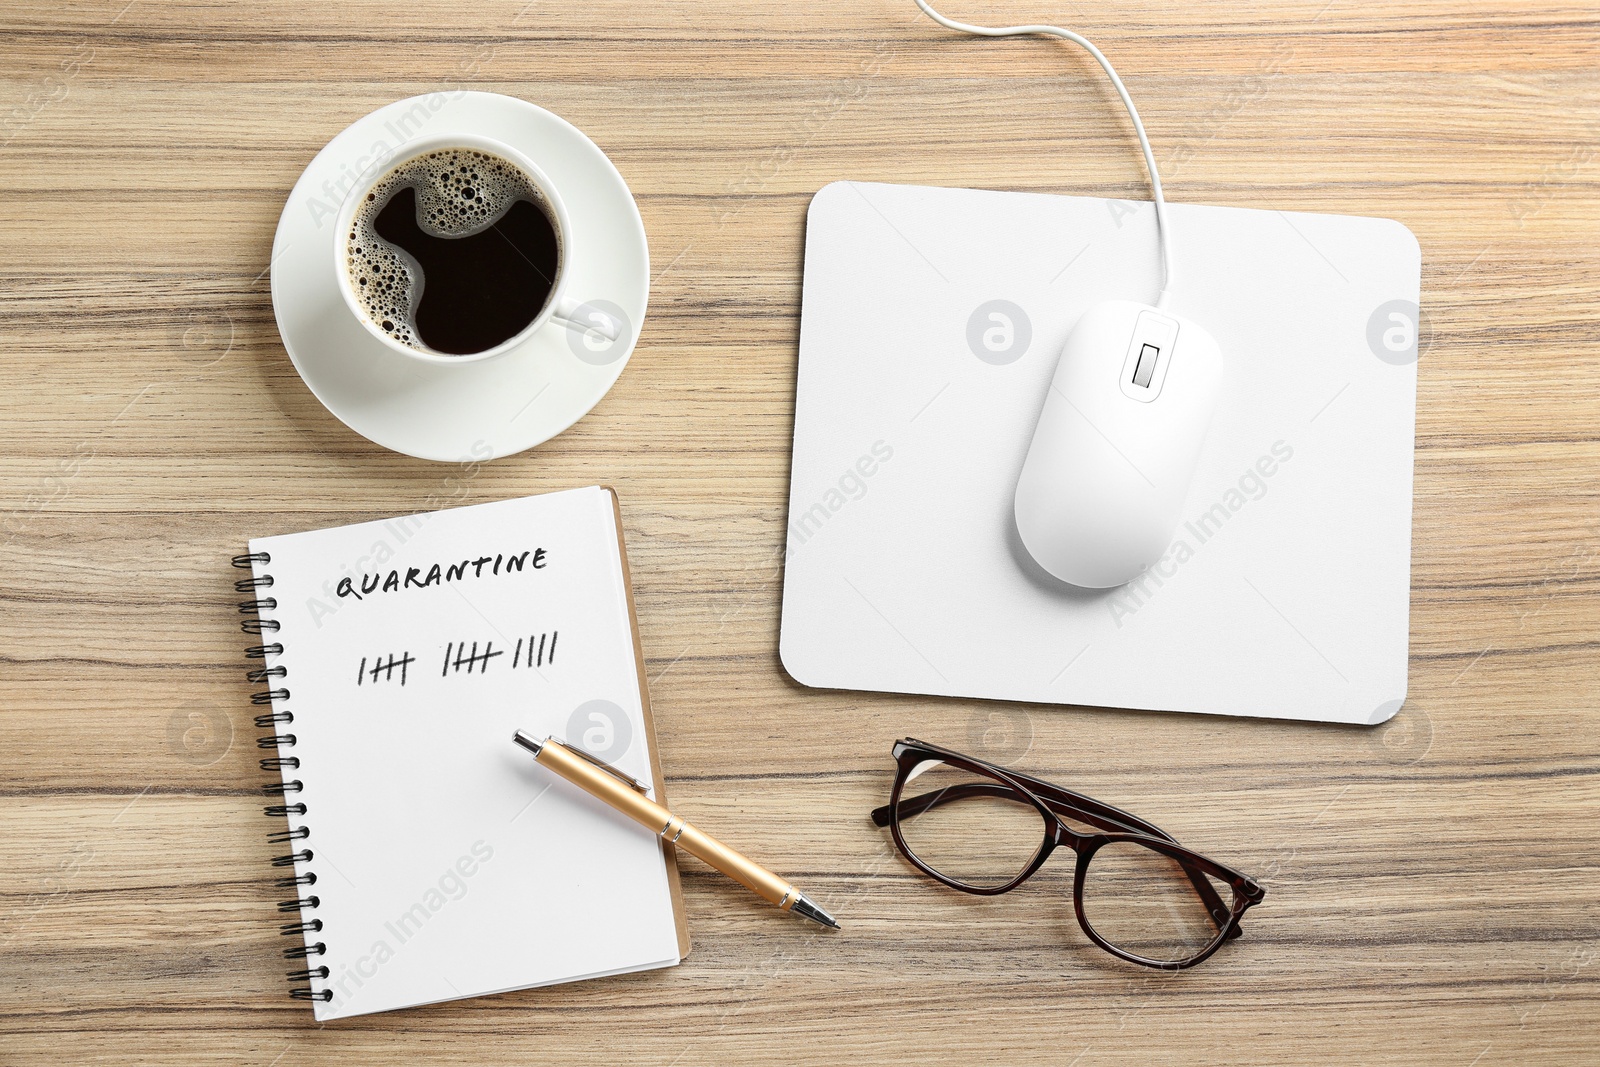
<point x="449" y="864"/>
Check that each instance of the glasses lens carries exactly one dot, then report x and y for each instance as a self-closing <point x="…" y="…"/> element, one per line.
<point x="1144" y="902"/>
<point x="969" y="827"/>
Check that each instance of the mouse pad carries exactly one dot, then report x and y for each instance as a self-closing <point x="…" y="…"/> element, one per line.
<point x="931" y="323"/>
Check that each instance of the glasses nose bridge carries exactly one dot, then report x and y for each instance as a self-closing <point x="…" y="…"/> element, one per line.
<point x="1058" y="831"/>
<point x="1063" y="834"/>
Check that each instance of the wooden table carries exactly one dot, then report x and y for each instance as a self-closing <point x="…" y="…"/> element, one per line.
<point x="1434" y="893"/>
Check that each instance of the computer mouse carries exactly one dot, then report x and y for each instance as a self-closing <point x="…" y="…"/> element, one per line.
<point x="1117" y="442"/>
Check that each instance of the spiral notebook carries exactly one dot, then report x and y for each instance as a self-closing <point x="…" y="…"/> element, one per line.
<point x="426" y="857"/>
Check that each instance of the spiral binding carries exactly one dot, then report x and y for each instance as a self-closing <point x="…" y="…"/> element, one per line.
<point x="268" y="675"/>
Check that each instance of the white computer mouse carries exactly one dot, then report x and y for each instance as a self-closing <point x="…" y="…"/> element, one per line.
<point x="1103" y="486"/>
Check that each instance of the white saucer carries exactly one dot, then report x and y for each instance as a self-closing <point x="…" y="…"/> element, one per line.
<point x="479" y="410"/>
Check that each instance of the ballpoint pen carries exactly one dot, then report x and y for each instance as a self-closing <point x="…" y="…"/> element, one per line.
<point x="606" y="783"/>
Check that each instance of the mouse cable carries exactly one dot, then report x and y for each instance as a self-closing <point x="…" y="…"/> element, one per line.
<point x="1164" y="231"/>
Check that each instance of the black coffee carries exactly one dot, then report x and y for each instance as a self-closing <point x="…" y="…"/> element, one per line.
<point x="454" y="252"/>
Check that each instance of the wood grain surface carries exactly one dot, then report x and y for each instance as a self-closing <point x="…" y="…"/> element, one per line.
<point x="1434" y="888"/>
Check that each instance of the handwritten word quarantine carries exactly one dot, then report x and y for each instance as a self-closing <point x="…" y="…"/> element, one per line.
<point x="439" y="574"/>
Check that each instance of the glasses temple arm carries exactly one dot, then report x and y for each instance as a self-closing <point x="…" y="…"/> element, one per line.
<point x="932" y="799"/>
<point x="1090" y="810"/>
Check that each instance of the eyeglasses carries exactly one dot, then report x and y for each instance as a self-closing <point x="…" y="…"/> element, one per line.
<point x="1138" y="893"/>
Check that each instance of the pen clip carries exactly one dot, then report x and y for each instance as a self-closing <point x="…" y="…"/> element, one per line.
<point x="632" y="782"/>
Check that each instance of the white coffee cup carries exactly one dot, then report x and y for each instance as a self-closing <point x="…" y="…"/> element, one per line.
<point x="558" y="308"/>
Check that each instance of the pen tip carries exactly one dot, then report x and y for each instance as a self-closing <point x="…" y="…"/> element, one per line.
<point x="807" y="908"/>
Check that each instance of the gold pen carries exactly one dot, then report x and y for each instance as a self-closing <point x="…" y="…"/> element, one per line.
<point x="605" y="782"/>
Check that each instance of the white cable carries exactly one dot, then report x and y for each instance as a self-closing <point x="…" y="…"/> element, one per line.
<point x="1164" y="231"/>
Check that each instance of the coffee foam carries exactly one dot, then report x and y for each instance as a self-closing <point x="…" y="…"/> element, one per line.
<point x="460" y="191"/>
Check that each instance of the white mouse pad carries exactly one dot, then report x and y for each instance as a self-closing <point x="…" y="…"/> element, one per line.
<point x="931" y="323"/>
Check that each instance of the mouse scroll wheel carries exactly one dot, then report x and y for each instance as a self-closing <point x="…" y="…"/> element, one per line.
<point x="1146" y="365"/>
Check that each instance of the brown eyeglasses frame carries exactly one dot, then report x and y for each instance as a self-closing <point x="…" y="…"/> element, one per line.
<point x="1053" y="802"/>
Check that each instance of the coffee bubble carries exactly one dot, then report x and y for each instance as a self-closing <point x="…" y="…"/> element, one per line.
<point x="458" y="192"/>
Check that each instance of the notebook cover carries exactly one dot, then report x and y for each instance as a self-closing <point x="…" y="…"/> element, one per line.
<point x="656" y="776"/>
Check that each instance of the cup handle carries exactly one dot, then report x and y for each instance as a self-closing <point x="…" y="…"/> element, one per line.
<point x="585" y="319"/>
